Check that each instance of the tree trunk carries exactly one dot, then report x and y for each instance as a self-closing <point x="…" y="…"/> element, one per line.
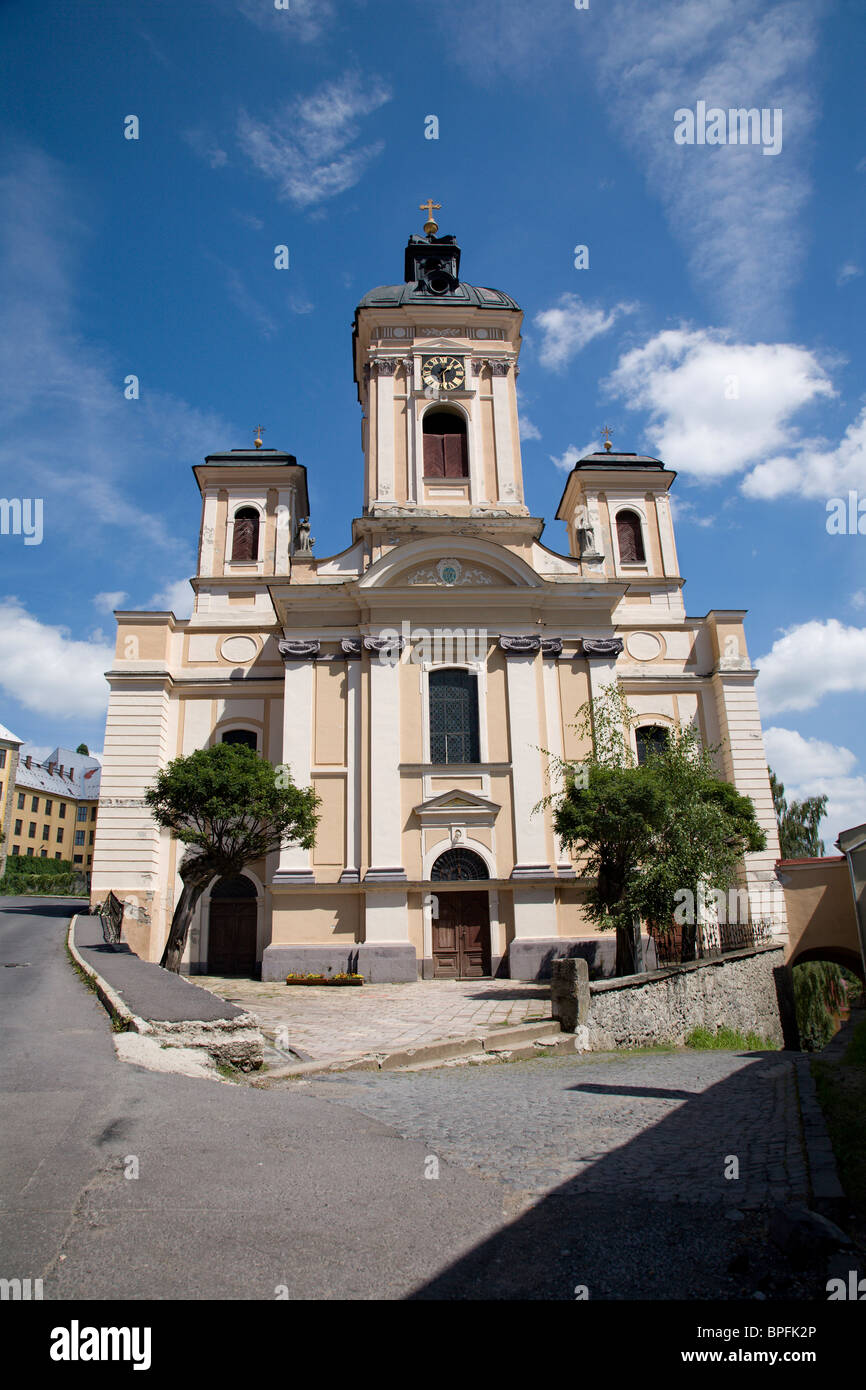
<point x="176" y="944"/>
<point x="629" y="948"/>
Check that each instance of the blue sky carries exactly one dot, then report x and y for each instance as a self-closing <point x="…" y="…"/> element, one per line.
<point x="305" y="126"/>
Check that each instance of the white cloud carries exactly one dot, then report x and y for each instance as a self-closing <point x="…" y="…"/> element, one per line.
<point x="309" y="148"/>
<point x="858" y="600"/>
<point x="176" y="597"/>
<point x="814" y="471"/>
<point x="48" y="671"/>
<point x="206" y="147"/>
<point x="813" y="767"/>
<point x="107" y="602"/>
<point x="306" y="20"/>
<point x="527" y="429"/>
<point x="810" y="661"/>
<point x="717" y="406"/>
<point x="736" y="214"/>
<point x="573" y="455"/>
<point x="245" y="302"/>
<point x="848" y="271"/>
<point x="570" y="324"/>
<point x="54" y="387"/>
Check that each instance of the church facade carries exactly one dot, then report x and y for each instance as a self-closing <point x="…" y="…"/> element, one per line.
<point x="420" y="678"/>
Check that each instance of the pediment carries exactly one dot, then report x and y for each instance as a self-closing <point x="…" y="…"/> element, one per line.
<point x="458" y="804"/>
<point x="450" y="562"/>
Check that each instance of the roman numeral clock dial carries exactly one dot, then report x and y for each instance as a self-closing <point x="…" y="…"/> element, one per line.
<point x="446" y="373"/>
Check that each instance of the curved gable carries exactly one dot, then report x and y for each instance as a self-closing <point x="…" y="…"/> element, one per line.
<point x="477" y="564"/>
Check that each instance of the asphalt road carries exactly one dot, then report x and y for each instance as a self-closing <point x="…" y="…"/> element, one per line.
<point x="239" y="1191"/>
<point x="603" y="1174"/>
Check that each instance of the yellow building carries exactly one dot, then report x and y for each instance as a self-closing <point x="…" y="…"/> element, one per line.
<point x="53" y="808"/>
<point x="415" y="677"/>
<point x="9" y="746"/>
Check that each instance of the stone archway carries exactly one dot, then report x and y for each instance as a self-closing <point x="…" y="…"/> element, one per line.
<point x="461" y="927"/>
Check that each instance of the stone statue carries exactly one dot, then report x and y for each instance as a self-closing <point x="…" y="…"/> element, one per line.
<point x="305" y="540"/>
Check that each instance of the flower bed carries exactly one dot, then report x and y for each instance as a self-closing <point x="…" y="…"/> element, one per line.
<point x="324" y="979"/>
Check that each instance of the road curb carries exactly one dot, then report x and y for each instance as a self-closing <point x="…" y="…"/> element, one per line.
<point x="503" y="1043"/>
<point x="237" y="1042"/>
<point x="827" y="1190"/>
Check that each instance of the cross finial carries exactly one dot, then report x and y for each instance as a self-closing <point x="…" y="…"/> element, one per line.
<point x="260" y="429"/>
<point x="606" y="436"/>
<point x="431" y="227"/>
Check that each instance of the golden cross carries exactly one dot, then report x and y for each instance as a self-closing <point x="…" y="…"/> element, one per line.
<point x="606" y="435"/>
<point x="429" y="206"/>
<point x="260" y="429"/>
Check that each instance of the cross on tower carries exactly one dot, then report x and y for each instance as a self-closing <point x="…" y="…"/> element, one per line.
<point x="260" y="429"/>
<point x="606" y="436"/>
<point x="430" y="226"/>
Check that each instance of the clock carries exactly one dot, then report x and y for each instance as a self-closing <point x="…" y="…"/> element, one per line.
<point x="447" y="373"/>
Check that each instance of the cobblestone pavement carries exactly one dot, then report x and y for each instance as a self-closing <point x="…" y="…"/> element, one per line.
<point x="655" y="1125"/>
<point x="329" y="1021"/>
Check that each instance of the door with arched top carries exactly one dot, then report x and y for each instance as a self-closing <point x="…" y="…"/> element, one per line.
<point x="232" y="928"/>
<point x="461" y="923"/>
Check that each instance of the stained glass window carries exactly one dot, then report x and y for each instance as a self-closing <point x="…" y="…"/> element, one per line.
<point x="453" y="717"/>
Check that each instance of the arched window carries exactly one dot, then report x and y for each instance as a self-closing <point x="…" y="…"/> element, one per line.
<point x="445" y="451"/>
<point x="650" y="738"/>
<point x="458" y="864"/>
<point x="233" y="889"/>
<point x="245" y="545"/>
<point x="629" y="534"/>
<point x="247" y="737"/>
<point x="454" y="717"/>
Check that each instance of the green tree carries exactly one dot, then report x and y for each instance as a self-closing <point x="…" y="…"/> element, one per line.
<point x="798" y="823"/>
<point x="820" y="995"/>
<point x="649" y="831"/>
<point x="229" y="807"/>
<point x="83" y="748"/>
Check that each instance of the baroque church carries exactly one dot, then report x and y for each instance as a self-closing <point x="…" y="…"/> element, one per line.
<point x="420" y="678"/>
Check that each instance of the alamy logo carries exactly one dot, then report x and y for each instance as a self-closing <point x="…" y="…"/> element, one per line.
<point x="846" y="517"/>
<point x="77" y="1343"/>
<point x="737" y="126"/>
<point x="22" y="516"/>
<point x="442" y="646"/>
<point x="20" y="1290"/>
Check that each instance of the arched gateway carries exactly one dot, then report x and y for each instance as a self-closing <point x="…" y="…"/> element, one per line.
<point x="232" y="928"/>
<point x="461" y="920"/>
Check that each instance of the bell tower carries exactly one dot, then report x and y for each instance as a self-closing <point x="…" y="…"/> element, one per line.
<point x="436" y="370"/>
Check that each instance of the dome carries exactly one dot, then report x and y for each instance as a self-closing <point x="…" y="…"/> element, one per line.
<point x="474" y="296"/>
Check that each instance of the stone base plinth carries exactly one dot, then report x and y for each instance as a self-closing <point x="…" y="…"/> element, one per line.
<point x="379" y="964"/>
<point x="531" y="958"/>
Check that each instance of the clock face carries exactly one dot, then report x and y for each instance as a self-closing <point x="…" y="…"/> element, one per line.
<point x="447" y="373"/>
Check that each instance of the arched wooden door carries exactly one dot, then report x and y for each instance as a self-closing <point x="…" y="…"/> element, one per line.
<point x="232" y="928"/>
<point x="461" y="927"/>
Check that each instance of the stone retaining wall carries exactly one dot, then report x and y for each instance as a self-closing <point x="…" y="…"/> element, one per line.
<point x="748" y="990"/>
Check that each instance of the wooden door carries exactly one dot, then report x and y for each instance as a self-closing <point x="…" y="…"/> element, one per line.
<point x="232" y="939"/>
<point x="461" y="937"/>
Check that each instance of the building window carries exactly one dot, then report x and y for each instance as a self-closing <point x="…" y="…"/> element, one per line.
<point x="20" y="801"/>
<point x="629" y="535"/>
<point x="31" y="830"/>
<point x="43" y="854"/>
<point x="18" y="827"/>
<point x="78" y="858"/>
<point x="16" y="851"/>
<point x="46" y="831"/>
<point x="48" y="807"/>
<point x="58" y="855"/>
<point x="2" y="757"/>
<point x="650" y="738"/>
<point x="454" y="717"/>
<point x="34" y="805"/>
<point x="446" y="454"/>
<point x="247" y="737"/>
<point x="81" y="813"/>
<point x="90" y="839"/>
<point x="30" y="852"/>
<point x="79" y="837"/>
<point x="93" y="813"/>
<point x="62" y="810"/>
<point x="60" y="834"/>
<point x="245" y="542"/>
<point x="458" y="864"/>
